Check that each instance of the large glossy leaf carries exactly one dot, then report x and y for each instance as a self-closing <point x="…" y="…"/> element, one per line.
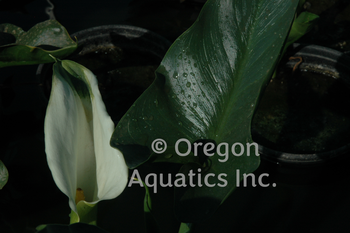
<point x="18" y="47"/>
<point x="207" y="88"/>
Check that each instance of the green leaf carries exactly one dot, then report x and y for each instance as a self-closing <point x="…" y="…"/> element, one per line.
<point x="4" y="175"/>
<point x="11" y="29"/>
<point x="73" y="228"/>
<point x="301" y="25"/>
<point x="207" y="88"/>
<point x="151" y="223"/>
<point x="34" y="46"/>
<point x="185" y="228"/>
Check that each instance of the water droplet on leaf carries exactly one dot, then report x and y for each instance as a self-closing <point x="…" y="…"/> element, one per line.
<point x="56" y="30"/>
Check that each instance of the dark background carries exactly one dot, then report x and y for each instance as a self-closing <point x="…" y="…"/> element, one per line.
<point x="306" y="199"/>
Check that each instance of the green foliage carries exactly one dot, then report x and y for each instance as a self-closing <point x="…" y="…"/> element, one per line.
<point x="4" y="175"/>
<point x="34" y="46"/>
<point x="185" y="228"/>
<point x="207" y="88"/>
<point x="301" y="25"/>
<point x="87" y="213"/>
<point x="73" y="228"/>
<point x="150" y="221"/>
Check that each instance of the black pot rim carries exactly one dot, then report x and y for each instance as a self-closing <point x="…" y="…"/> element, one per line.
<point x="146" y="39"/>
<point x="335" y="63"/>
<point x="127" y="31"/>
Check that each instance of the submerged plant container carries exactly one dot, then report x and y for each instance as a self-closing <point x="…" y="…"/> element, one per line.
<point x="123" y="58"/>
<point x="303" y="115"/>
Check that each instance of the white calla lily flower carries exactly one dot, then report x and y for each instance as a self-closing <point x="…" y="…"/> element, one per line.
<point x="77" y="135"/>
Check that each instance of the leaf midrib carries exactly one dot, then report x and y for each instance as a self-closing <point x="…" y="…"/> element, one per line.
<point x="233" y="92"/>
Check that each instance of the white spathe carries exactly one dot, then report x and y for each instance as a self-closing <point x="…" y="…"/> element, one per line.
<point x="77" y="135"/>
